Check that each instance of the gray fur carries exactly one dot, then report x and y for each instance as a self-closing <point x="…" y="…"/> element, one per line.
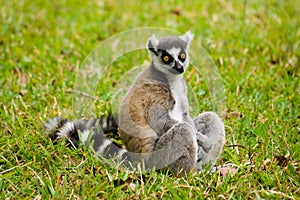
<point x="210" y="125"/>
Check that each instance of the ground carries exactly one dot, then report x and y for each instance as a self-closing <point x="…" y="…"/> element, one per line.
<point x="254" y="44"/>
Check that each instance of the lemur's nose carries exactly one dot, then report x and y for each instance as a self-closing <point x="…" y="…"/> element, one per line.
<point x="178" y="67"/>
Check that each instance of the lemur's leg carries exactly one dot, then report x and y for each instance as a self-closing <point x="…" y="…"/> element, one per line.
<point x="177" y="148"/>
<point x="210" y="125"/>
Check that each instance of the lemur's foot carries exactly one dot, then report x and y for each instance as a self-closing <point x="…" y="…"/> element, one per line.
<point x="181" y="148"/>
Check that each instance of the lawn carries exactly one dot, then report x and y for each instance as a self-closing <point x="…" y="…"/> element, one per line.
<point x="255" y="46"/>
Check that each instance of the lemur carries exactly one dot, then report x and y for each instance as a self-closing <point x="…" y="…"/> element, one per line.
<point x="153" y="119"/>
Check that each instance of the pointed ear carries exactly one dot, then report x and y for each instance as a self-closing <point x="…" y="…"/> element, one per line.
<point x="188" y="37"/>
<point x="152" y="44"/>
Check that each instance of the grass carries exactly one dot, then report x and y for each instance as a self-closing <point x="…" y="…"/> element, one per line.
<point x="255" y="45"/>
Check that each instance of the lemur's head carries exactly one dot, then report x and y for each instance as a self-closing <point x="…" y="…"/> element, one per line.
<point x="170" y="54"/>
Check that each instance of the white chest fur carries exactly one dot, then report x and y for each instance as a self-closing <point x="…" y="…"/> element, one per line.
<point x="178" y="90"/>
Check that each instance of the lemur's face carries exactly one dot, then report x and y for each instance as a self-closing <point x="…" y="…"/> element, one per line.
<point x="169" y="54"/>
<point x="174" y="60"/>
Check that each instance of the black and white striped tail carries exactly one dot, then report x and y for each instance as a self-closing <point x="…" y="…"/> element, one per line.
<point x="89" y="130"/>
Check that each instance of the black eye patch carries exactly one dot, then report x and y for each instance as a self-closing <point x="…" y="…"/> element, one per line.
<point x="182" y="56"/>
<point x="166" y="58"/>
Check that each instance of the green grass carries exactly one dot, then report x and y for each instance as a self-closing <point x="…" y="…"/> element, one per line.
<point x="255" y="44"/>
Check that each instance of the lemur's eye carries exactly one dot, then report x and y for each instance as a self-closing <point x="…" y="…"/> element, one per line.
<point x="166" y="58"/>
<point x="181" y="57"/>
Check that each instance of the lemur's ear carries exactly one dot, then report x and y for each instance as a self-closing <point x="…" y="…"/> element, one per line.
<point x="188" y="37"/>
<point x="152" y="44"/>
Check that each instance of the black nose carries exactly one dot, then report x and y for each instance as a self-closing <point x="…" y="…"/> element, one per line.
<point x="179" y="68"/>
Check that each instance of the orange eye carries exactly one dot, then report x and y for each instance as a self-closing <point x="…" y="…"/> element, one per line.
<point x="166" y="58"/>
<point x="182" y="56"/>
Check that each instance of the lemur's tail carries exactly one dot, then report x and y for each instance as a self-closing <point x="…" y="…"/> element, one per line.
<point x="93" y="132"/>
<point x="89" y="130"/>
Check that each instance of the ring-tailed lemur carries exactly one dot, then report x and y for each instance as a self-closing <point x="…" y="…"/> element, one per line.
<point x="153" y="119"/>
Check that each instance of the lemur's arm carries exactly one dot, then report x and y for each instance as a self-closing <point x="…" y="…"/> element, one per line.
<point x="160" y="120"/>
<point x="202" y="139"/>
